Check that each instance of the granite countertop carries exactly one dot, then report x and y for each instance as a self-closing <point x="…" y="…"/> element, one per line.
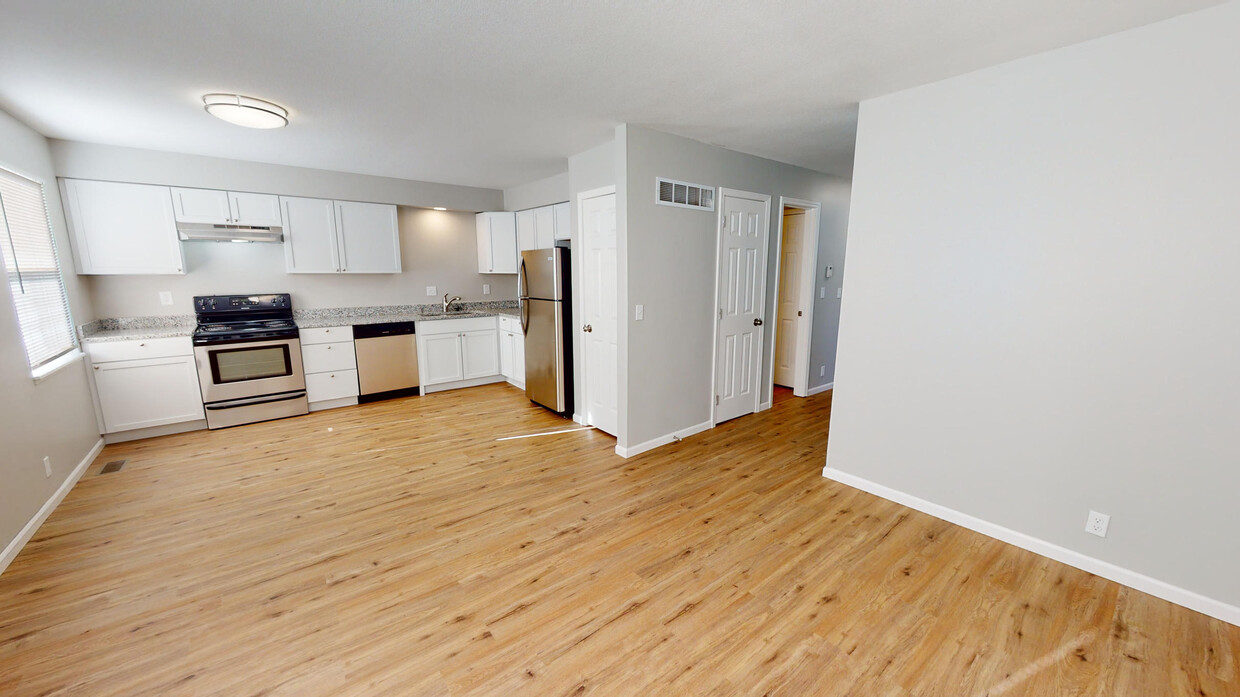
<point x="168" y="326"/>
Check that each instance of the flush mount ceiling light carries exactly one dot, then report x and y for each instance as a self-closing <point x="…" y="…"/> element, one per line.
<point x="246" y="111"/>
<point x="440" y="208"/>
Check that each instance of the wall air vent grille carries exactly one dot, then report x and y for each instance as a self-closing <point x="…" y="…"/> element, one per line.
<point x="669" y="192"/>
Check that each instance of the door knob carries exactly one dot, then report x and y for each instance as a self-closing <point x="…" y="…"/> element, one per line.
<point x="757" y="321"/>
<point x="587" y="328"/>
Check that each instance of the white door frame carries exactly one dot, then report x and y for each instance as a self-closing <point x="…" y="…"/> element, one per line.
<point x="766" y="243"/>
<point x="583" y="415"/>
<point x="809" y="280"/>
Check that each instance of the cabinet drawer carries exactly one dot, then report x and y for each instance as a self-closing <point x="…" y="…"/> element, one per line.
<point x="338" y="384"/>
<point x="455" y="326"/>
<point x="105" y="351"/>
<point x="326" y="335"/>
<point x="509" y="324"/>
<point x="320" y="358"/>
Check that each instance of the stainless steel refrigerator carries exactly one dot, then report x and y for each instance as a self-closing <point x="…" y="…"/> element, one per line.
<point x="543" y="292"/>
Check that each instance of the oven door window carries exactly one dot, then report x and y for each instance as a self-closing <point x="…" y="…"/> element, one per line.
<point x="240" y="364"/>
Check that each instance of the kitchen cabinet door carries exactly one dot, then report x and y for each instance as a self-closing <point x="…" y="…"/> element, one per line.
<point x="480" y="353"/>
<point x="149" y="392"/>
<point x="544" y="227"/>
<point x="254" y="210"/>
<point x="497" y="242"/>
<point x="309" y="235"/>
<point x="369" y="237"/>
<point x="526" y="238"/>
<point x="518" y="358"/>
<point x="443" y="358"/>
<point x="201" y="206"/>
<point x="505" y="354"/>
<point x="563" y="221"/>
<point x="122" y="228"/>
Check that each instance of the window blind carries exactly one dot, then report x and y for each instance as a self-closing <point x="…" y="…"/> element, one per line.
<point x="33" y="270"/>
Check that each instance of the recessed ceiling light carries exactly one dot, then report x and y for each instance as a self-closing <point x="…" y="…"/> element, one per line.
<point x="246" y="111"/>
<point x="440" y="208"/>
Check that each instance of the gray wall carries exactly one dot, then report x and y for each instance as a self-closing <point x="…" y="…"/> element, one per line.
<point x="438" y="248"/>
<point x="543" y="192"/>
<point x="55" y="417"/>
<point x="111" y="163"/>
<point x="1041" y="300"/>
<point x="670" y="268"/>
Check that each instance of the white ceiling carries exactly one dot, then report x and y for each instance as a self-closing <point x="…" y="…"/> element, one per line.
<point x="499" y="93"/>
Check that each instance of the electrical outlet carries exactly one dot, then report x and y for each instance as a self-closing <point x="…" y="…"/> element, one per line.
<point x="822" y="371"/>
<point x="165" y="297"/>
<point x="639" y="312"/>
<point x="486" y="288"/>
<point x="47" y="466"/>
<point x="1096" y="523"/>
<point x="839" y="293"/>
<point x="431" y="291"/>
<point x="830" y="272"/>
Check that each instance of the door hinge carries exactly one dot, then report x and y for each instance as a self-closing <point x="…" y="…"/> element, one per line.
<point x="716" y="400"/>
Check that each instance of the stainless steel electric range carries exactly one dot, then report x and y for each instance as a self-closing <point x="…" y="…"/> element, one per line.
<point x="249" y="359"/>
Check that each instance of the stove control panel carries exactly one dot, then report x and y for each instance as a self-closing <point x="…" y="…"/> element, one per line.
<point x="242" y="303"/>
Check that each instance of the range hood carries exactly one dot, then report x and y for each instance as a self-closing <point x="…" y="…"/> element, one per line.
<point x="229" y="233"/>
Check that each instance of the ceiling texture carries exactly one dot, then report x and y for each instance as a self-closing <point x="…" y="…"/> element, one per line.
<point x="499" y="93"/>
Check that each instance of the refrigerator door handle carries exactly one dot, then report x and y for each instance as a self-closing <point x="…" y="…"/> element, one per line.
<point x="523" y="306"/>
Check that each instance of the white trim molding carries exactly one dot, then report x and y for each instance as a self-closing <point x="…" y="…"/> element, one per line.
<point x="1084" y="562"/>
<point x="820" y="389"/>
<point x="32" y="526"/>
<point x="662" y="440"/>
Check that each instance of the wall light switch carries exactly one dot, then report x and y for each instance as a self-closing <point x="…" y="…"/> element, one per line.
<point x="822" y="292"/>
<point x="165" y="297"/>
<point x="431" y="291"/>
<point x="830" y="272"/>
<point x="822" y="371"/>
<point x="639" y="312"/>
<point x="486" y="288"/>
<point x="47" y="465"/>
<point x="839" y="292"/>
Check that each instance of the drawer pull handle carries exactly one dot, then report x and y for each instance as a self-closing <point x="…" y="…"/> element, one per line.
<point x="142" y="344"/>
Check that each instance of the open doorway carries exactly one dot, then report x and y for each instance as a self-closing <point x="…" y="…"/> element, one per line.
<point x="797" y="258"/>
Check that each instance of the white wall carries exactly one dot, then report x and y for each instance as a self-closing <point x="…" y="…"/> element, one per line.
<point x="543" y="192"/>
<point x="111" y="163"/>
<point x="670" y="268"/>
<point x="1041" y="299"/>
<point x="437" y="248"/>
<point x="53" y="418"/>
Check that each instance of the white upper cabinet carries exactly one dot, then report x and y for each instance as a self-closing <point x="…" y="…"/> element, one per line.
<point x="201" y="206"/>
<point x="497" y="242"/>
<point x="563" y="221"/>
<point x="254" y="210"/>
<point x="369" y="237"/>
<point x="122" y="228"/>
<point x="214" y="207"/>
<point x="544" y="228"/>
<point x="322" y="236"/>
<point x="310" y="235"/>
<point x="526" y="237"/>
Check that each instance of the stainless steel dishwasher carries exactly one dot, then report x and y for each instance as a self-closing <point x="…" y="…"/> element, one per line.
<point x="387" y="360"/>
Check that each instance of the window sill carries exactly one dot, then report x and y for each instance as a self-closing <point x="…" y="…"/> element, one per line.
<point x="46" y="370"/>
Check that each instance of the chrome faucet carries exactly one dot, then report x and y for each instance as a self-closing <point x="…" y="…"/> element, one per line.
<point x="448" y="301"/>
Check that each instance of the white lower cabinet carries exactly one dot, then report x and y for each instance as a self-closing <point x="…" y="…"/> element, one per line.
<point x="512" y="351"/>
<point x="330" y="364"/>
<point x="140" y="384"/>
<point x="458" y="353"/>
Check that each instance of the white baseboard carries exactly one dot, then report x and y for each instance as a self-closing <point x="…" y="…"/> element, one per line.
<point x="472" y="382"/>
<point x="580" y="419"/>
<point x="764" y="406"/>
<point x="1084" y="562"/>
<point x="820" y="389"/>
<point x="15" y="546"/>
<point x="661" y="440"/>
<point x="154" y="431"/>
<point x="333" y="404"/>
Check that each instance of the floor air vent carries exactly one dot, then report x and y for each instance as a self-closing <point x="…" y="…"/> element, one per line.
<point x="669" y="192"/>
<point x="114" y="466"/>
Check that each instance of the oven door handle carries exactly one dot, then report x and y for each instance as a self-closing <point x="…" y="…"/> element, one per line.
<point x="250" y="401"/>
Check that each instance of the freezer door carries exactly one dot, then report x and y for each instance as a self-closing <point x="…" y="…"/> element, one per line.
<point x="540" y="274"/>
<point x="544" y="354"/>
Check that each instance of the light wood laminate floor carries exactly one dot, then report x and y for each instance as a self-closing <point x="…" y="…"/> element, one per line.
<point x="399" y="549"/>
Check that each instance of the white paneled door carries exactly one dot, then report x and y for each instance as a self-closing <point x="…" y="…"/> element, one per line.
<point x="744" y="221"/>
<point x="600" y="325"/>
<point x="787" y="334"/>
